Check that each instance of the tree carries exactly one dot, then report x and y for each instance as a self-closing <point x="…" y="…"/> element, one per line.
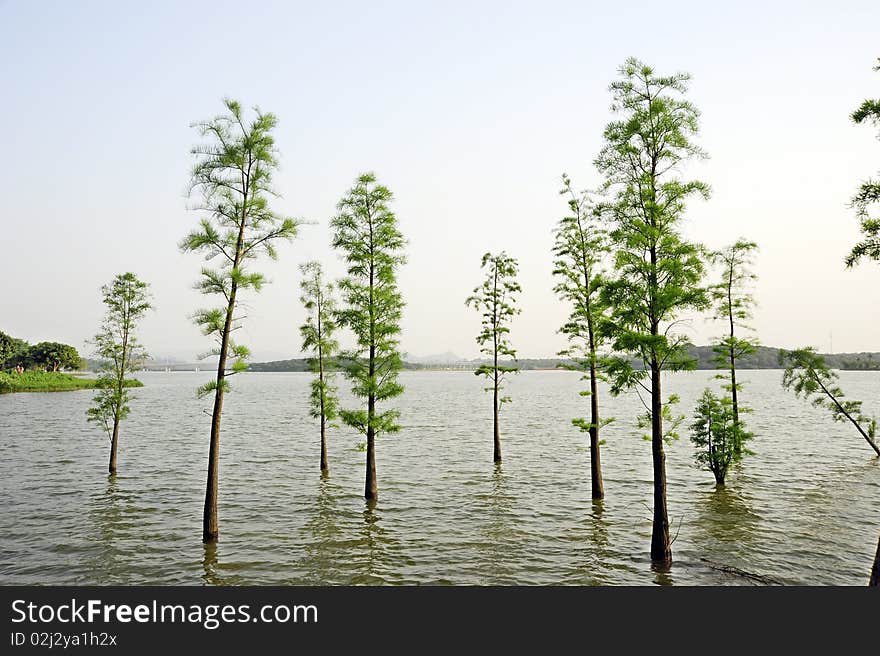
<point x="733" y="302"/>
<point x="807" y="375"/>
<point x="317" y="335"/>
<point x="233" y="174"/>
<point x="53" y="356"/>
<point x="868" y="194"/>
<point x="366" y="233"/>
<point x="495" y="299"/>
<point x="127" y="300"/>
<point x="718" y="436"/>
<point x="13" y="351"/>
<point x="658" y="272"/>
<point x="580" y="248"/>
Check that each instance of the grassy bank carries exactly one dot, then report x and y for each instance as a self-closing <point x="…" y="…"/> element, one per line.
<point x="49" y="381"/>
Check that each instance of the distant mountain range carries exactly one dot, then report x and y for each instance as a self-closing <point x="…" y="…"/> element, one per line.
<point x="766" y="357"/>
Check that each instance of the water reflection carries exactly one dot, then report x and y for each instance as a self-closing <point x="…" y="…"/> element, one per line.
<point x="501" y="543"/>
<point x="724" y="526"/>
<point x="211" y="565"/>
<point x="322" y="551"/>
<point x="374" y="544"/>
<point x="108" y="514"/>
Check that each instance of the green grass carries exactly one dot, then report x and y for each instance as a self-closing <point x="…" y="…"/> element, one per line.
<point x="49" y="381"/>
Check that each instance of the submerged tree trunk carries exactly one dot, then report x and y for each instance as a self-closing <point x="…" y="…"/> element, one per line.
<point x="210" y="521"/>
<point x="875" y="570"/>
<point x="325" y="468"/>
<point x="495" y="427"/>
<point x="371" y="486"/>
<point x="661" y="545"/>
<point x="595" y="461"/>
<point x="114" y="445"/>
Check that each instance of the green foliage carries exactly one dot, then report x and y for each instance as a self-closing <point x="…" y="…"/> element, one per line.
<point x="318" y="338"/>
<point x="868" y="194"/>
<point x="658" y="273"/>
<point x="733" y="303"/>
<point x="719" y="438"/>
<point x="808" y="376"/>
<point x="13" y="351"/>
<point x="127" y="300"/>
<point x="495" y="300"/>
<point x="233" y="175"/>
<point x="580" y="251"/>
<point x="53" y="356"/>
<point x="366" y="234"/>
<point x="51" y="381"/>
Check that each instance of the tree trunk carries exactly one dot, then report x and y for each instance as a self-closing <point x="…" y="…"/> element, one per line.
<point x="114" y="445"/>
<point x="595" y="461"/>
<point x="325" y="468"/>
<point x="371" y="488"/>
<point x="875" y="570"/>
<point x="210" y="521"/>
<point x="661" y="545"/>
<point x="495" y="420"/>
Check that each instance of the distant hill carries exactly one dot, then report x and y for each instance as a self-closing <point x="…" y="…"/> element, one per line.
<point x="766" y="357"/>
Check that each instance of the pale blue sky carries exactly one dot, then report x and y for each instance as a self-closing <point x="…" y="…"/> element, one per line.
<point x="467" y="111"/>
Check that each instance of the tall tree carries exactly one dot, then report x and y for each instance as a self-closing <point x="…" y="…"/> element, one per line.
<point x="868" y="194"/>
<point x="233" y="175"/>
<point x="580" y="250"/>
<point x="366" y="234"/>
<point x="495" y="299"/>
<point x="317" y="335"/>
<point x="733" y="303"/>
<point x="658" y="271"/>
<point x="13" y="351"/>
<point x="120" y="352"/>
<point x="807" y="375"/>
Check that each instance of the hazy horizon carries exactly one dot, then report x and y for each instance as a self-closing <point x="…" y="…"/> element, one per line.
<point x="468" y="113"/>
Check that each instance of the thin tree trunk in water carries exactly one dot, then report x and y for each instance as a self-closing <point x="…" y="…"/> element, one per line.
<point x="325" y="468"/>
<point x="595" y="461"/>
<point x="732" y="357"/>
<point x="371" y="488"/>
<point x="875" y="570"/>
<point x="210" y="521"/>
<point x="661" y="545"/>
<point x="114" y="445"/>
<point x="495" y="418"/>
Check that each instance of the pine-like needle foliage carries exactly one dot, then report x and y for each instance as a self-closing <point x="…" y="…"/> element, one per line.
<point x="116" y="345"/>
<point x="367" y="236"/>
<point x="807" y="375"/>
<point x="580" y="253"/>
<point x="719" y="438"/>
<point x="495" y="300"/>
<point x="733" y="303"/>
<point x="658" y="272"/>
<point x="318" y="339"/>
<point x="233" y="175"/>
<point x="868" y="195"/>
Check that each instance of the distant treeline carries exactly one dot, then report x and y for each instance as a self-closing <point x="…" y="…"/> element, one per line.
<point x="765" y="357"/>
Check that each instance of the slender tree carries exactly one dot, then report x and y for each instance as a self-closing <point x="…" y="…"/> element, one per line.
<point x="233" y="175"/>
<point x="868" y="195"/>
<point x="658" y="273"/>
<point x="580" y="250"/>
<point x="120" y="352"/>
<point x="733" y="303"/>
<point x="807" y="375"/>
<point x="317" y="337"/>
<point x="366" y="234"/>
<point x="718" y="436"/>
<point x="495" y="300"/>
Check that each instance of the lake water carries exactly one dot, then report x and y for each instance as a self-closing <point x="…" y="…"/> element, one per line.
<point x="803" y="510"/>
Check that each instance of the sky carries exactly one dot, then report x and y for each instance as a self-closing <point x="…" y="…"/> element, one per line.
<point x="469" y="112"/>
